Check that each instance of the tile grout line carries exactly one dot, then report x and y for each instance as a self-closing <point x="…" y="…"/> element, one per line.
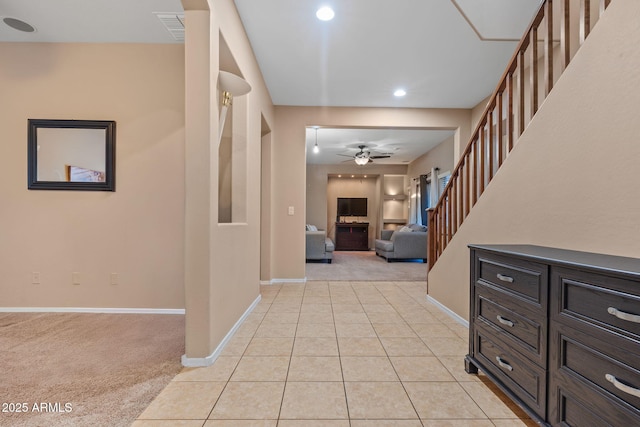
<point x="344" y="384"/>
<point x="394" y="368"/>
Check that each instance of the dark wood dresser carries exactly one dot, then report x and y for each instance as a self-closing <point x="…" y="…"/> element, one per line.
<point x="352" y="236"/>
<point x="558" y="331"/>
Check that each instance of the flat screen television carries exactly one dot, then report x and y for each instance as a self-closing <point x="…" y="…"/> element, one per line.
<point x="352" y="206"/>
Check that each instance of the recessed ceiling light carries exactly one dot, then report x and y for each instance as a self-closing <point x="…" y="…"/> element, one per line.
<point x="400" y="92"/>
<point x="19" y="25"/>
<point x="339" y="176"/>
<point x="325" y="13"/>
<point x="353" y="176"/>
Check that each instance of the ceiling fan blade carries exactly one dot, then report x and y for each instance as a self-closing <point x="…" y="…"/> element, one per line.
<point x="379" y="157"/>
<point x="344" y="155"/>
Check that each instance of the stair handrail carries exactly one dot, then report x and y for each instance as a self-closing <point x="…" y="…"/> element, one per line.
<point x="470" y="176"/>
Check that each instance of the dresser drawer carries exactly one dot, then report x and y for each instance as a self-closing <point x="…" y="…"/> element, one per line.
<point x="584" y="300"/>
<point x="610" y="369"/>
<point x="523" y="278"/>
<point x="523" y="378"/>
<point x="525" y="329"/>
<point x="574" y="406"/>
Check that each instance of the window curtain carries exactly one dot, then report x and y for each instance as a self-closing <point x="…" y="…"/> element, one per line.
<point x="425" y="198"/>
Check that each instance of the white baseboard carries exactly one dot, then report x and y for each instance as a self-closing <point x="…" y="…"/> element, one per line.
<point x="448" y="311"/>
<point x="196" y="362"/>
<point x="274" y="281"/>
<point x="92" y="310"/>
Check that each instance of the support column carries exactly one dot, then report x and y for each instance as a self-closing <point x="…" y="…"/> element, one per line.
<point x="198" y="215"/>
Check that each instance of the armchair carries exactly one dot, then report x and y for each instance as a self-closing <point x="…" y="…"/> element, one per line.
<point x="318" y="246"/>
<point x="410" y="243"/>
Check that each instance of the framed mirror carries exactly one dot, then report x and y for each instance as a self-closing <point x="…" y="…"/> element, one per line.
<point x="71" y="155"/>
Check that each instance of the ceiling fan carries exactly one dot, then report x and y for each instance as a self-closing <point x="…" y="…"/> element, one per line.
<point x="363" y="157"/>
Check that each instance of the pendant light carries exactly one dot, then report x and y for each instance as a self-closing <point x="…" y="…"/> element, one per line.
<point x="316" y="149"/>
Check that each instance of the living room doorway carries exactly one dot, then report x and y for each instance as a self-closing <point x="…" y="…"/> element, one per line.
<point x="372" y="164"/>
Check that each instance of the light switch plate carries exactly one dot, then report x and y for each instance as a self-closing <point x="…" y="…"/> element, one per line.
<point x="291" y="210"/>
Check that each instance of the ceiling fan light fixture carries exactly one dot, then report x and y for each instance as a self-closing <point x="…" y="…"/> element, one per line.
<point x="361" y="161"/>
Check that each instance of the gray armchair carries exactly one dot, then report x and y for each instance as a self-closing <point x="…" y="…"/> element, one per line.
<point x="318" y="246"/>
<point x="400" y="245"/>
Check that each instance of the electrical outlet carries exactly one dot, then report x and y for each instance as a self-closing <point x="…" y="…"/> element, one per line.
<point x="75" y="278"/>
<point x="114" y="278"/>
<point x="35" y="277"/>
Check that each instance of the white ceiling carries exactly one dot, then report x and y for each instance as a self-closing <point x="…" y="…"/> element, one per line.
<point x="372" y="47"/>
<point x="444" y="53"/>
<point x="88" y="21"/>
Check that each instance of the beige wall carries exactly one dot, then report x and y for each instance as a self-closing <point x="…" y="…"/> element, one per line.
<point x="137" y="231"/>
<point x="571" y="181"/>
<point x="289" y="158"/>
<point x="440" y="156"/>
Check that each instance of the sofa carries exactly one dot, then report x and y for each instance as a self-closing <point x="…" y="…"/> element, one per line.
<point x="318" y="246"/>
<point x="405" y="243"/>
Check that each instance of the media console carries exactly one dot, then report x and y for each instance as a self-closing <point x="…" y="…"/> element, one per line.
<point x="352" y="236"/>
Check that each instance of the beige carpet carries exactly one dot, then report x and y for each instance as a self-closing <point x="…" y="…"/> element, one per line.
<point x="365" y="265"/>
<point x="107" y="367"/>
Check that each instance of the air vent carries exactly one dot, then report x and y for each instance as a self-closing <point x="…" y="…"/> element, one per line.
<point x="174" y="23"/>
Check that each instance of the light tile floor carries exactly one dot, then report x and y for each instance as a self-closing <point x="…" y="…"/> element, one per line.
<point x="338" y="354"/>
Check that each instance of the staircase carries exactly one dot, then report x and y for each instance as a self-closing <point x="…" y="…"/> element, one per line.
<point x="556" y="33"/>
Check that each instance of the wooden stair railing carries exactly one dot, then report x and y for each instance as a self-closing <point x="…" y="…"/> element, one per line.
<point x="510" y="109"/>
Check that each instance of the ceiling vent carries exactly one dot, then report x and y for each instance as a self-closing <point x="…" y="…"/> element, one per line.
<point x="174" y="23"/>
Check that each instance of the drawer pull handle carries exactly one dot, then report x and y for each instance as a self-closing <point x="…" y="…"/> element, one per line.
<point x="504" y="321"/>
<point x="504" y="278"/>
<point x="623" y="315"/>
<point x="623" y="387"/>
<point x="504" y="364"/>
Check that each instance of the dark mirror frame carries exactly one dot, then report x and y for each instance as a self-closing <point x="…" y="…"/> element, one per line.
<point x="110" y="155"/>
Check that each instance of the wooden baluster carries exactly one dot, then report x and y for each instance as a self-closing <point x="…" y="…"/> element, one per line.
<point x="510" y="112"/>
<point x="548" y="48"/>
<point x="490" y="143"/>
<point x="565" y="34"/>
<point x="499" y="128"/>
<point x="441" y="224"/>
<point x="476" y="176"/>
<point x="467" y="192"/>
<point x="533" y="44"/>
<point x="461" y="192"/>
<point x="520" y="92"/>
<point x="604" y="4"/>
<point x="482" y="155"/>
<point x="585" y="20"/>
<point x="450" y="225"/>
<point x="454" y="205"/>
<point x="431" y="238"/>
<point x="449" y="212"/>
